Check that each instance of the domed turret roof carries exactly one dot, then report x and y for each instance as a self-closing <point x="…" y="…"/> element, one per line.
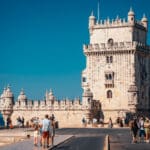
<point x="51" y="95"/>
<point x="144" y="19"/>
<point x="22" y="96"/>
<point x="8" y="93"/>
<point x="131" y="12"/>
<point x="92" y="16"/>
<point x="88" y="93"/>
<point x="3" y="94"/>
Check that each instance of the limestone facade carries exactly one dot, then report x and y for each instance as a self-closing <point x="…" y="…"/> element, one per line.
<point x="118" y="65"/>
<point x="68" y="113"/>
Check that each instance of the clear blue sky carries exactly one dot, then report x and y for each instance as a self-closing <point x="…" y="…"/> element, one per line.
<point x="41" y="42"/>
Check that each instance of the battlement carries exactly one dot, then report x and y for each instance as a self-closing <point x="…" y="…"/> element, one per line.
<point x="48" y="105"/>
<point x="118" y="22"/>
<point x="117" y="46"/>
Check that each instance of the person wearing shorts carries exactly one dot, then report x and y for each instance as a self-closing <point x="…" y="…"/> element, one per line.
<point x="45" y="131"/>
<point x="142" y="129"/>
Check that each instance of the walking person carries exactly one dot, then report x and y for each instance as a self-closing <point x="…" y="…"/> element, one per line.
<point x="45" y="132"/>
<point x="110" y="124"/>
<point x="142" y="129"/>
<point x="36" y="131"/>
<point x="52" y="132"/>
<point x="84" y="122"/>
<point x="147" y="130"/>
<point x="40" y="134"/>
<point x="134" y="130"/>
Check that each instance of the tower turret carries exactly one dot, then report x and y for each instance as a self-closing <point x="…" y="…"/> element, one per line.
<point x="22" y="98"/>
<point x="92" y="21"/>
<point x="145" y="22"/>
<point x="87" y="97"/>
<point x="7" y="99"/>
<point x="46" y="96"/>
<point x="131" y="16"/>
<point x="51" y="96"/>
<point x="2" y="100"/>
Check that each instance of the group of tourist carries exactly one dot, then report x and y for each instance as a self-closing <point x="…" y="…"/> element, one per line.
<point x="46" y="130"/>
<point x="20" y="121"/>
<point x="140" y="129"/>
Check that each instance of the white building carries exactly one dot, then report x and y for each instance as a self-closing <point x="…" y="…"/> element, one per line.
<point x="118" y="65"/>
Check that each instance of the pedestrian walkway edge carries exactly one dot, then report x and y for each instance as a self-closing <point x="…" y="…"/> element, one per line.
<point x="69" y="138"/>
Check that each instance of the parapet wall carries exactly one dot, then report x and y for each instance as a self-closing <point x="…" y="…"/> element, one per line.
<point x="48" y="105"/>
<point x="115" y="47"/>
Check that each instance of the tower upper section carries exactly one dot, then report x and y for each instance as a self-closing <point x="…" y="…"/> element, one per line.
<point x="118" y="30"/>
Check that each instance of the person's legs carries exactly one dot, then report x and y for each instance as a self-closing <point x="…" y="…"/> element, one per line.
<point x="44" y="139"/>
<point x="40" y="140"/>
<point x="35" y="141"/>
<point x="52" y="140"/>
<point x="47" y="139"/>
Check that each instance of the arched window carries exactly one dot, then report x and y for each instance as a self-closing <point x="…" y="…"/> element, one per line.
<point x="111" y="59"/>
<point x="110" y="42"/>
<point x="109" y="94"/>
<point x="89" y="100"/>
<point x="110" y="77"/>
<point x="84" y="79"/>
<point x="107" y="59"/>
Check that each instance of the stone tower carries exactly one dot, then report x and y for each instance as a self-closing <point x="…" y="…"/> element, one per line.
<point x="118" y="65"/>
<point x="7" y="102"/>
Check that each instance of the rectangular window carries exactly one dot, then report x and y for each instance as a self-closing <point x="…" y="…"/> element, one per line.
<point x="109" y="59"/>
<point x="84" y="79"/>
<point x="109" y="79"/>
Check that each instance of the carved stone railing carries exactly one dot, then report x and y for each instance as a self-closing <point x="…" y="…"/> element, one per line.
<point x="98" y="47"/>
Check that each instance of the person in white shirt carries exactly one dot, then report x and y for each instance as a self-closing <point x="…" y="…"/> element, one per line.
<point x="45" y="131"/>
<point x="142" y="129"/>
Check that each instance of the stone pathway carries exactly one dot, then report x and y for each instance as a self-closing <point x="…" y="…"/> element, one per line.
<point x="16" y="139"/>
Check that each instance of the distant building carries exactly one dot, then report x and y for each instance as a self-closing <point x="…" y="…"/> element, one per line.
<point x="118" y="65"/>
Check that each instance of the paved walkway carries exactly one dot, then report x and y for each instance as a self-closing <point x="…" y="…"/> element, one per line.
<point x="23" y="143"/>
<point x="123" y="142"/>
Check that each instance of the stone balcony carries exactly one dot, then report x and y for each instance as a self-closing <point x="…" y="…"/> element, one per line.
<point x="117" y="46"/>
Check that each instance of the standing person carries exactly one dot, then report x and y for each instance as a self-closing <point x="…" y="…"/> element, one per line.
<point x="40" y="133"/>
<point x="45" y="131"/>
<point x="147" y="129"/>
<point x="134" y="130"/>
<point x="52" y="132"/>
<point x="142" y="129"/>
<point x="52" y="117"/>
<point x="110" y="124"/>
<point x="84" y="122"/>
<point x="36" y="129"/>
<point x="22" y="121"/>
<point x="8" y="122"/>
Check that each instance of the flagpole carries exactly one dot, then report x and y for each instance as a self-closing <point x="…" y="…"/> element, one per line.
<point x="98" y="10"/>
